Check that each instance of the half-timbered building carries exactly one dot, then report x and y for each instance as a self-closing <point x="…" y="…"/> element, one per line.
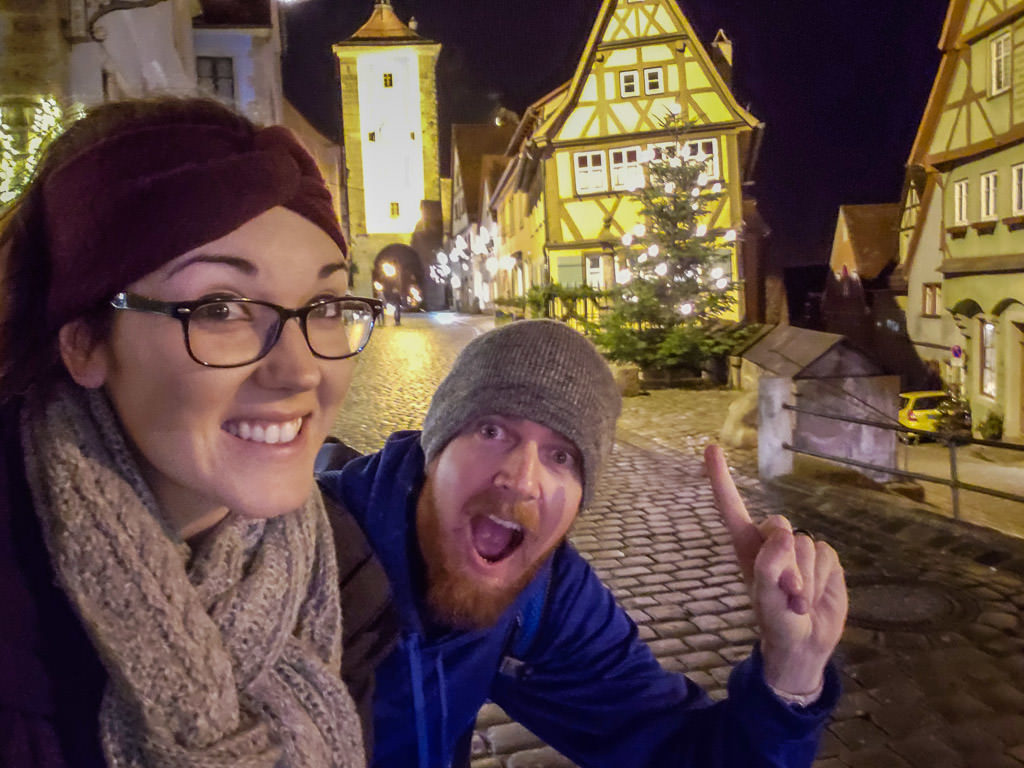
<point x="587" y="143"/>
<point x="962" y="229"/>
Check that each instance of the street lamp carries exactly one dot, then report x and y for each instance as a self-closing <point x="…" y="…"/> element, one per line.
<point x="388" y="269"/>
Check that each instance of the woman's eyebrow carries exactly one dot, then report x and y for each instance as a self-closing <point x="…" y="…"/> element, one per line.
<point x="243" y="265"/>
<point x="329" y="269"/>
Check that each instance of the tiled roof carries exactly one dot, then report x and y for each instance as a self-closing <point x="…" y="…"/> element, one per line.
<point x="874" y="236"/>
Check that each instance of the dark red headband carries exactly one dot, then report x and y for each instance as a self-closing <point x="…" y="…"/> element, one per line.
<point x="131" y="203"/>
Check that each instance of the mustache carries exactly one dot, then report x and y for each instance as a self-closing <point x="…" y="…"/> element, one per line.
<point x="505" y="505"/>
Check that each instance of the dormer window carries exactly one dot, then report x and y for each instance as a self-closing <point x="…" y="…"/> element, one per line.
<point x="999" y="58"/>
<point x="629" y="83"/>
<point x="654" y="80"/>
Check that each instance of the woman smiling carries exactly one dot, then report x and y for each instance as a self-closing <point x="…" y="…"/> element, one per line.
<point x="175" y="341"/>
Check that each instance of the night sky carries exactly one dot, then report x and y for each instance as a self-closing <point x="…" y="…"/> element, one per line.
<point x="840" y="84"/>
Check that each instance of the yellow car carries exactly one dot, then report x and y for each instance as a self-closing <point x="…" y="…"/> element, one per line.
<point x="921" y="411"/>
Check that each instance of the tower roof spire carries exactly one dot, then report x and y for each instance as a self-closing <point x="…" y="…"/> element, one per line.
<point x="384" y="24"/>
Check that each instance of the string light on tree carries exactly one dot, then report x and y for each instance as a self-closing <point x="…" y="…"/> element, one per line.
<point x="671" y="288"/>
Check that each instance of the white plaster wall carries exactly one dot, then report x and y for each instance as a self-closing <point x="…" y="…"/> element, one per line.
<point x="257" y="78"/>
<point x="141" y="50"/>
<point x="86" y="73"/>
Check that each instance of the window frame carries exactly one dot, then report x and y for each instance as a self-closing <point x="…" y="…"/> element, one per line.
<point x="660" y="71"/>
<point x="715" y="172"/>
<point x="630" y="173"/>
<point x="622" y="83"/>
<point x="989" y="202"/>
<point x="961" y="192"/>
<point x="1000" y="55"/>
<point x="590" y="172"/>
<point x="214" y="78"/>
<point x="1017" y="188"/>
<point x="930" y="298"/>
<point x="987" y="362"/>
<point x="596" y="272"/>
<point x="389" y="80"/>
<point x="396" y="210"/>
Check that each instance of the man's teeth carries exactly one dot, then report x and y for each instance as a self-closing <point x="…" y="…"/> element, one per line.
<point x="506" y="523"/>
<point x="272" y="434"/>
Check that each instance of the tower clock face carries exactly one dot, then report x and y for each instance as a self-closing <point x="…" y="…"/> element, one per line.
<point x="392" y="125"/>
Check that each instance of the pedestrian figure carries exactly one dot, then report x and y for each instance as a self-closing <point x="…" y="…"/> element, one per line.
<point x="175" y="341"/>
<point x="470" y="518"/>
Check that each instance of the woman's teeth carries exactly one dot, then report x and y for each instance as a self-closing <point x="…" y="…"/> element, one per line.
<point x="273" y="433"/>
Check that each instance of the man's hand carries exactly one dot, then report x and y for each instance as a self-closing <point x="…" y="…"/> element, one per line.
<point x="796" y="586"/>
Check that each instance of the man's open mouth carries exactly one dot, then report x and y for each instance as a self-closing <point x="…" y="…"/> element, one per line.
<point x="494" y="538"/>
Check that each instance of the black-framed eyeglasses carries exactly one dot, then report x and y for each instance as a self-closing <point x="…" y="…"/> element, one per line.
<point x="228" y="332"/>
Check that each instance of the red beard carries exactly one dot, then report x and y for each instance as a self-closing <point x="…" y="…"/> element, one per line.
<point x="456" y="598"/>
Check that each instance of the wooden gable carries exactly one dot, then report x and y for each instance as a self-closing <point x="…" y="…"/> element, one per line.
<point x="982" y="16"/>
<point x="642" y="62"/>
<point x="963" y="117"/>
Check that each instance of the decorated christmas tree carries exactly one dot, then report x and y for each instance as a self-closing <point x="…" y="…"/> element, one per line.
<point x="674" y="274"/>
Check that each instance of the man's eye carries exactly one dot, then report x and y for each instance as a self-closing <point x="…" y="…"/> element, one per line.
<point x="561" y="457"/>
<point x="490" y="431"/>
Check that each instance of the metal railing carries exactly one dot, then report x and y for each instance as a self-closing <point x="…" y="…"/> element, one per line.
<point x="952" y="482"/>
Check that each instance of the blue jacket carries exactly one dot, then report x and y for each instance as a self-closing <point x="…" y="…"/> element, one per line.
<point x="587" y="685"/>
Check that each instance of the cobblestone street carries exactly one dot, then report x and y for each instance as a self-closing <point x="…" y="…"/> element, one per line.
<point x="933" y="658"/>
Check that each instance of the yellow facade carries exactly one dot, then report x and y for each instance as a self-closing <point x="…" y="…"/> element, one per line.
<point x="642" y="64"/>
<point x="389" y="111"/>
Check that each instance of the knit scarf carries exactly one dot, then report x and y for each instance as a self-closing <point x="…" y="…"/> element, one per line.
<point x="228" y="655"/>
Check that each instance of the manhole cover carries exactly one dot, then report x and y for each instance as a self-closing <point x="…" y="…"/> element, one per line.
<point x="906" y="605"/>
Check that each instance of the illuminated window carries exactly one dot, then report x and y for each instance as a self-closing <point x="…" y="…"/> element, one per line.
<point x="960" y="202"/>
<point x="1017" y="179"/>
<point x="394" y="210"/>
<point x="215" y="76"/>
<point x="389" y="79"/>
<point x="988" y="359"/>
<point x="999" y="57"/>
<point x="629" y="83"/>
<point x="595" y="273"/>
<point x="930" y="295"/>
<point x="626" y="171"/>
<point x="654" y="80"/>
<point x="591" y="175"/>
<point x="703" y="151"/>
<point x="988" y="195"/>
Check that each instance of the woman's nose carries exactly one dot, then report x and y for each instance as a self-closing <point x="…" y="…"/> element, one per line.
<point x="290" y="364"/>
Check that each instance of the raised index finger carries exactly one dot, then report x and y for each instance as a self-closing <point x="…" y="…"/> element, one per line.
<point x="746" y="538"/>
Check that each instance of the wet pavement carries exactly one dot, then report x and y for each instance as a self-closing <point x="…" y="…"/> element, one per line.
<point x="932" y="659"/>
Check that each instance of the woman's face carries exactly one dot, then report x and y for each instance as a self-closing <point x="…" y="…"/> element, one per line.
<point x="185" y="418"/>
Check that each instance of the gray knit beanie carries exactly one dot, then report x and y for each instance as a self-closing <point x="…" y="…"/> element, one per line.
<point x="539" y="370"/>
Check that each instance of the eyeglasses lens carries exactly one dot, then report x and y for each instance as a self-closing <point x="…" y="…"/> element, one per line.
<point x="226" y="333"/>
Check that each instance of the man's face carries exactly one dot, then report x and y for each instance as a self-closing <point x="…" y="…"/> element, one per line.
<point x="498" y="499"/>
